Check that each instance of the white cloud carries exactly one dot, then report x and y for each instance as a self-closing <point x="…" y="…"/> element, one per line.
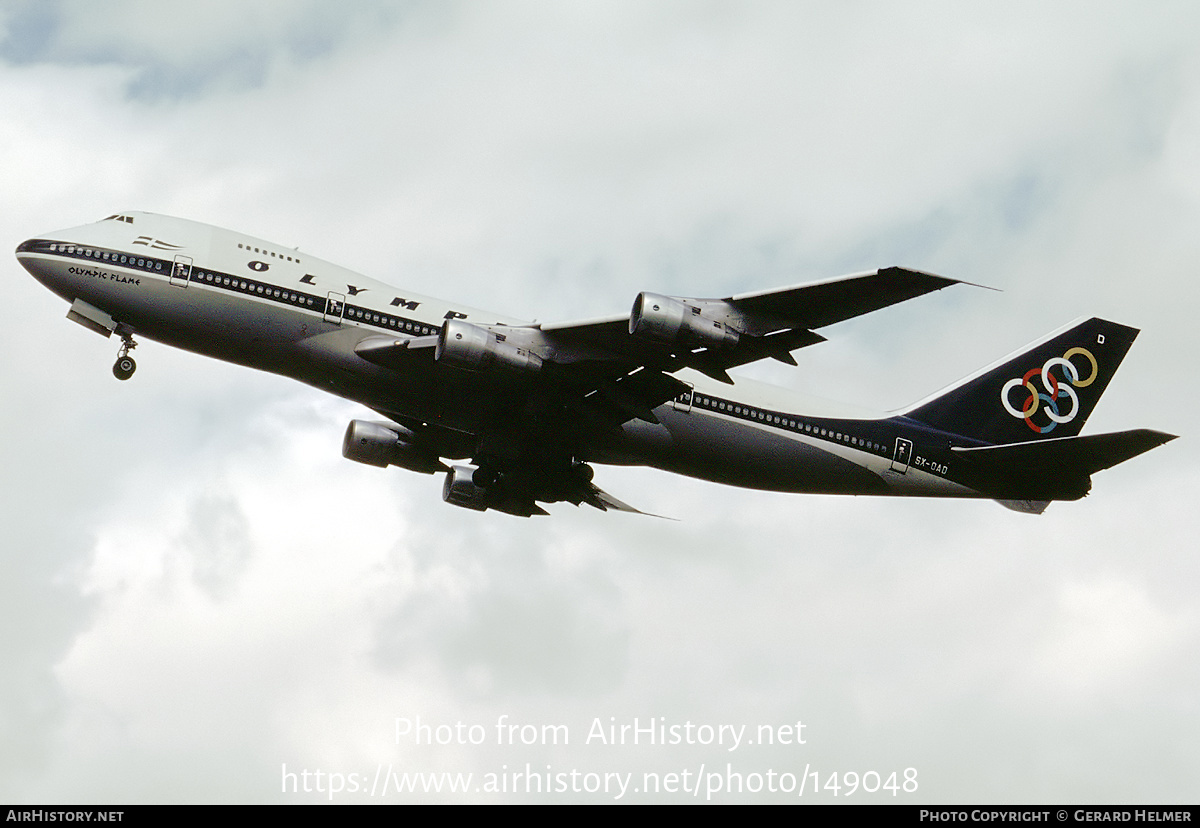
<point x="204" y="590"/>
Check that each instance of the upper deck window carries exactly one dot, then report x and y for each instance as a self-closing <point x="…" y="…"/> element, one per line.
<point x="265" y="252"/>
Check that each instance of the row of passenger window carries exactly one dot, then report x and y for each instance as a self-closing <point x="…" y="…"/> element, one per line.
<point x="258" y="288"/>
<point x="388" y="321"/>
<point x="106" y="256"/>
<point x="308" y="301"/>
<point x="788" y="422"/>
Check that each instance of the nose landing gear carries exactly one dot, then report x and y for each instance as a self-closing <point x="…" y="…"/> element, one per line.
<point x="124" y="367"/>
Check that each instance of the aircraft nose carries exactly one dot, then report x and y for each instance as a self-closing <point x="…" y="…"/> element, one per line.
<point x="32" y="255"/>
<point x="32" y="250"/>
<point x="25" y="253"/>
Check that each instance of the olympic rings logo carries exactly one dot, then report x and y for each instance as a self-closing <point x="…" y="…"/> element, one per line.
<point x="1056" y="390"/>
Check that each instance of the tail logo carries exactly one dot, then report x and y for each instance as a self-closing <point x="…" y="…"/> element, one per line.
<point x="1056" y="389"/>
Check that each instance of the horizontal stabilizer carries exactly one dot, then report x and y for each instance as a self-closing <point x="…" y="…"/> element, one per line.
<point x="1068" y="456"/>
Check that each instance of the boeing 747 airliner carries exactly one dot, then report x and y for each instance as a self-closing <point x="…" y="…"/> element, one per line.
<point x="513" y="413"/>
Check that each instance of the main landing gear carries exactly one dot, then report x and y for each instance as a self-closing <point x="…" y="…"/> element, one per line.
<point x="124" y="367"/>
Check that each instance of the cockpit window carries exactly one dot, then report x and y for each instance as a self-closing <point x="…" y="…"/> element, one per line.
<point x="118" y="217"/>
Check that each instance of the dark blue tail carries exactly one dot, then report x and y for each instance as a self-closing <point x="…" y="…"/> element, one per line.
<point x="1046" y="390"/>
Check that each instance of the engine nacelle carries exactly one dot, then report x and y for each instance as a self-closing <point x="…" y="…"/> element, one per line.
<point x="664" y="319"/>
<point x="382" y="445"/>
<point x="461" y="489"/>
<point x="472" y="348"/>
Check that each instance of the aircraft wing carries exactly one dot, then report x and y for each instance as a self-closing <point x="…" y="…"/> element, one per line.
<point x="817" y="304"/>
<point x="719" y="334"/>
<point x="604" y="501"/>
<point x="570" y="384"/>
<point x="606" y="371"/>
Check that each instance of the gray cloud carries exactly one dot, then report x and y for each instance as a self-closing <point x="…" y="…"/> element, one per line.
<point x="218" y="538"/>
<point x="199" y="589"/>
<point x="172" y="52"/>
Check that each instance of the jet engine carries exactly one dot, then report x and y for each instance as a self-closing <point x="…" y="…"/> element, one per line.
<point x="665" y="319"/>
<point x="387" y="444"/>
<point x="472" y="348"/>
<point x="461" y="489"/>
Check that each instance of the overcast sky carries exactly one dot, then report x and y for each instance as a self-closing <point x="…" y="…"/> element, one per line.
<point x="196" y="590"/>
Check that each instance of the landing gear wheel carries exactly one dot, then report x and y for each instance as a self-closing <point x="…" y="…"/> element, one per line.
<point x="124" y="367"/>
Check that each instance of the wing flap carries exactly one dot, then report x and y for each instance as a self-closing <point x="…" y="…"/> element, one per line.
<point x="603" y="501"/>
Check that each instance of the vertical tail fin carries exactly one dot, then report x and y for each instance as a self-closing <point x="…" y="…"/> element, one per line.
<point x="1047" y="389"/>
